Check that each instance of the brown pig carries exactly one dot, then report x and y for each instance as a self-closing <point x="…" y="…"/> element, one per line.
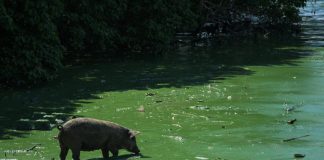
<point x="87" y="134"/>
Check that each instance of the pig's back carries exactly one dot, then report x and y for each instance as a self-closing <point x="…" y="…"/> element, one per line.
<point x="87" y="125"/>
<point x="90" y="133"/>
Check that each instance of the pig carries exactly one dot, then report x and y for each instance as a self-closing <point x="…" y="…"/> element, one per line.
<point x="88" y="134"/>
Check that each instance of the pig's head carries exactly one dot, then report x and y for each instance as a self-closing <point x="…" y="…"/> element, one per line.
<point x="130" y="142"/>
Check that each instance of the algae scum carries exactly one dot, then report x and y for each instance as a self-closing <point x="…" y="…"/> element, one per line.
<point x="255" y="100"/>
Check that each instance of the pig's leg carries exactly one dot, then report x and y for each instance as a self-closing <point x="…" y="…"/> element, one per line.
<point x="64" y="151"/>
<point x="105" y="152"/>
<point x="114" y="152"/>
<point x="76" y="153"/>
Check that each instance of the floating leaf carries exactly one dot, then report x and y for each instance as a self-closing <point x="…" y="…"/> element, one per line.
<point x="199" y="107"/>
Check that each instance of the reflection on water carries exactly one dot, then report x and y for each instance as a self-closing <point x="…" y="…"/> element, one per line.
<point x="313" y="23"/>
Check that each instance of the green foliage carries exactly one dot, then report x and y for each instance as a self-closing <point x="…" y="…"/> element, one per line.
<point x="271" y="12"/>
<point x="150" y="25"/>
<point x="89" y="26"/>
<point x="30" y="48"/>
<point x="122" y="25"/>
<point x="35" y="34"/>
<point x="280" y="12"/>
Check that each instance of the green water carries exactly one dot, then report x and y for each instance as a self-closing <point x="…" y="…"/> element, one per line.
<point x="225" y="101"/>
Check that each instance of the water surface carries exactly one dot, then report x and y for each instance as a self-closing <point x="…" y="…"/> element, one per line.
<point x="231" y="100"/>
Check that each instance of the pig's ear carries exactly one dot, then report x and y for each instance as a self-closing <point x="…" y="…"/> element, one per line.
<point x="129" y="134"/>
<point x="132" y="134"/>
<point x="136" y="132"/>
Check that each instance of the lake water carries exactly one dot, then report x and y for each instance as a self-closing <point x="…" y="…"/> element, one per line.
<point x="230" y="100"/>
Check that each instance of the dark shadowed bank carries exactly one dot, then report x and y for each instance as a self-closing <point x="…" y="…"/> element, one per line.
<point x="37" y="36"/>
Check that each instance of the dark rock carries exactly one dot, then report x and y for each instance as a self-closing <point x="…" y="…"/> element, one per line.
<point x="61" y="116"/>
<point x="51" y="118"/>
<point x="297" y="155"/>
<point x="37" y="115"/>
<point x="292" y="121"/>
<point x="24" y="124"/>
<point x="150" y="94"/>
<point x="42" y="124"/>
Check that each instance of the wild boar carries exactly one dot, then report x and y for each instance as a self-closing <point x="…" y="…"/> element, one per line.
<point x="87" y="134"/>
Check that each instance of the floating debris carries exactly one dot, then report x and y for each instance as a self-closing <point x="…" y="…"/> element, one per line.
<point x="292" y="108"/>
<point x="202" y="158"/>
<point x="295" y="138"/>
<point x="177" y="125"/>
<point x="292" y="121"/>
<point x="229" y="97"/>
<point x="150" y="94"/>
<point x="14" y="152"/>
<point x="198" y="107"/>
<point x="297" y="155"/>
<point x="122" y="109"/>
<point x="176" y="138"/>
<point x="158" y="101"/>
<point x="141" y="109"/>
<point x="33" y="147"/>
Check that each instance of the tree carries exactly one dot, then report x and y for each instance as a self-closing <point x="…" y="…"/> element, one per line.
<point x="37" y="35"/>
<point x="30" y="48"/>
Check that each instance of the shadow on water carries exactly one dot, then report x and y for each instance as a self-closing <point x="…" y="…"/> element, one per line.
<point x="122" y="157"/>
<point x="186" y="67"/>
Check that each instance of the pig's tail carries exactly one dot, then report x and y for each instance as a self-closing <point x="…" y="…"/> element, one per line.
<point x="60" y="127"/>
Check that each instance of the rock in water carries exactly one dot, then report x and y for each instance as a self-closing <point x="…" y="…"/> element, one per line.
<point x="297" y="155"/>
<point x="292" y="121"/>
<point x="24" y="124"/>
<point x="42" y="124"/>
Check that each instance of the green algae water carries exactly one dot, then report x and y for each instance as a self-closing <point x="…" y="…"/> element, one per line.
<point x="228" y="101"/>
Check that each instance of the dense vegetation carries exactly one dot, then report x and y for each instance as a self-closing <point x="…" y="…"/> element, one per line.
<point x="37" y="35"/>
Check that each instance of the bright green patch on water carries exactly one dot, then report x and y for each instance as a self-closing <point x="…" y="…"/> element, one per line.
<point x="184" y="109"/>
